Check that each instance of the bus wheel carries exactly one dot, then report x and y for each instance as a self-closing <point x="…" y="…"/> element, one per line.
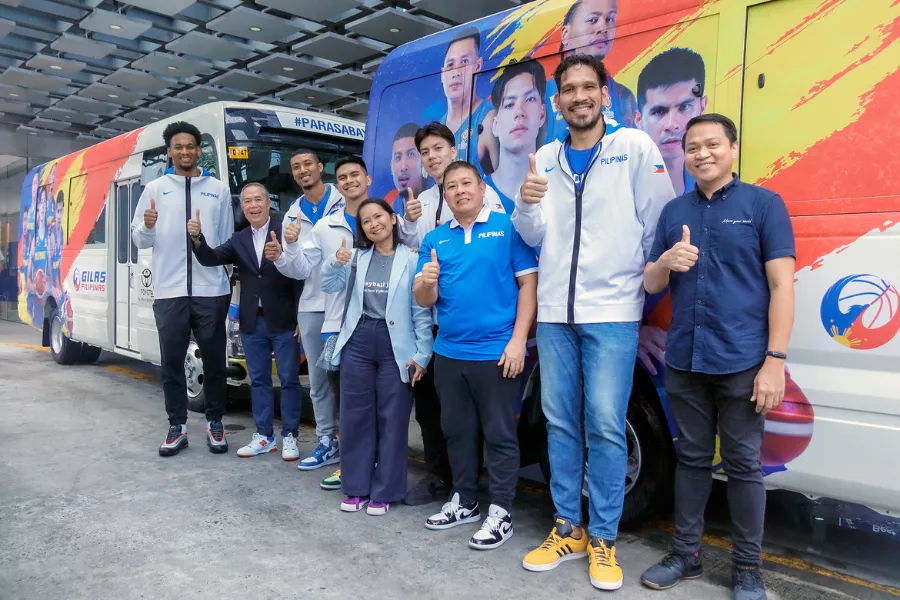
<point x="89" y="354"/>
<point x="63" y="350"/>
<point x="193" y="375"/>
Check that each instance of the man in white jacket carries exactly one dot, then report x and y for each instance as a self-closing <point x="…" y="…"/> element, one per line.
<point x="188" y="298"/>
<point x="592" y="203"/>
<point x="319" y="200"/>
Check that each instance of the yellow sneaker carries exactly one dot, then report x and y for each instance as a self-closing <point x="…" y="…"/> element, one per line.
<point x="604" y="570"/>
<point x="558" y="547"/>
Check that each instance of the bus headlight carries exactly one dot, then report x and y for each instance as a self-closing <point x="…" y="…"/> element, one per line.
<point x="235" y="347"/>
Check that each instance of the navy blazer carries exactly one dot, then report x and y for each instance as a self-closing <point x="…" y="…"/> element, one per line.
<point x="280" y="294"/>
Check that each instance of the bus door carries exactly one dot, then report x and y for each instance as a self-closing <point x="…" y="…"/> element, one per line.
<point x="127" y="194"/>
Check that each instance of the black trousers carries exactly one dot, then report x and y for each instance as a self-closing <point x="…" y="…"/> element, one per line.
<point x="475" y="397"/>
<point x="176" y="319"/>
<point x="704" y="405"/>
<point x="428" y="416"/>
<point x="334" y="384"/>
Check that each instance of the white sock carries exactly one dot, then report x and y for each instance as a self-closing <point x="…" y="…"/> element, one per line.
<point x="183" y="428"/>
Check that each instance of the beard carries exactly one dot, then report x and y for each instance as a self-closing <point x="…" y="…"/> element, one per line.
<point x="588" y="125"/>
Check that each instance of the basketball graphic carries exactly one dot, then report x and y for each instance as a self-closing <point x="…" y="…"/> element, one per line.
<point x="861" y="312"/>
<point x="40" y="283"/>
<point x="65" y="309"/>
<point x="789" y="426"/>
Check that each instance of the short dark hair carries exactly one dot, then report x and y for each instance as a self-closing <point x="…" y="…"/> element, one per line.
<point x="457" y="165"/>
<point x="300" y="151"/>
<point x="364" y="243"/>
<point x="434" y="128"/>
<point x="726" y="123"/>
<point x="531" y="67"/>
<point x="173" y="129"/>
<point x="407" y="130"/>
<point x="581" y="59"/>
<point x="570" y="14"/>
<point x="467" y="33"/>
<point x="350" y="160"/>
<point x="668" y="68"/>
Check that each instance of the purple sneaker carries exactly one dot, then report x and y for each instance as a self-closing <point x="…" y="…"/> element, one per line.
<point x="376" y="509"/>
<point x="354" y="504"/>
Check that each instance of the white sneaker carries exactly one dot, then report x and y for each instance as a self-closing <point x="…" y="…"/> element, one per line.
<point x="260" y="444"/>
<point x="496" y="529"/>
<point x="289" y="449"/>
<point x="452" y="514"/>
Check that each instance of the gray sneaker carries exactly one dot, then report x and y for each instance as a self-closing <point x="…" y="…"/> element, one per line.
<point x="748" y="584"/>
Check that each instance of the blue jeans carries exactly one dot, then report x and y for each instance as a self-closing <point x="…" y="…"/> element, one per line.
<point x="258" y="346"/>
<point x="586" y="376"/>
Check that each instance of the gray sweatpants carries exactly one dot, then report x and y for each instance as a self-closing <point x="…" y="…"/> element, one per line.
<point x="319" y="392"/>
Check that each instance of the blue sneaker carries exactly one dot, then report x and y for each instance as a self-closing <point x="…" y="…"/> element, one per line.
<point x="327" y="452"/>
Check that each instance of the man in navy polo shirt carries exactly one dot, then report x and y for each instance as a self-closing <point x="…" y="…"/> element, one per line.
<point x="726" y="251"/>
<point x="482" y="278"/>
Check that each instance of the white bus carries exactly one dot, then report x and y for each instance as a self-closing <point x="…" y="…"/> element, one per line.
<point x="83" y="282"/>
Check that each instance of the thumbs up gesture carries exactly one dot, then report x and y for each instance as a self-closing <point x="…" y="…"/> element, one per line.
<point x="682" y="256"/>
<point x="272" y="249"/>
<point x="431" y="271"/>
<point x="413" y="207"/>
<point x="193" y="225"/>
<point x="292" y="232"/>
<point x="150" y="215"/>
<point x="535" y="185"/>
<point x="343" y="255"/>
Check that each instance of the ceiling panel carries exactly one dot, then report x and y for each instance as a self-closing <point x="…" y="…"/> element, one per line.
<point x="82" y="46"/>
<point x="172" y="106"/>
<point x="21" y="94"/>
<point x="351" y="81"/>
<point x="123" y="123"/>
<point x="62" y="114"/>
<point x="247" y="81"/>
<point x="164" y="7"/>
<point x="359" y="108"/>
<point x="207" y="93"/>
<point x="287" y="66"/>
<point x="312" y="95"/>
<point x="115" y="24"/>
<point x="394" y="26"/>
<point x="314" y="10"/>
<point x="33" y="80"/>
<point x="6" y="26"/>
<point x="55" y="65"/>
<point x="146" y="115"/>
<point x="21" y="108"/>
<point x="169" y="64"/>
<point x="337" y="48"/>
<point x="111" y="93"/>
<point x="50" y="124"/>
<point x="209" y="47"/>
<point x="255" y="25"/>
<point x="139" y="80"/>
<point x="81" y="104"/>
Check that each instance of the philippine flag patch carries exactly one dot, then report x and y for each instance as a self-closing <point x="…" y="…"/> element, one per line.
<point x="659" y="168"/>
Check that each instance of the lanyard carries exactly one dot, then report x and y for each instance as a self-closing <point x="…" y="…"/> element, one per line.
<point x="437" y="216"/>
<point x="580" y="177"/>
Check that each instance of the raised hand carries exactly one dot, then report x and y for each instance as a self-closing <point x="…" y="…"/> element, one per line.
<point x="292" y="232"/>
<point x="682" y="256"/>
<point x="343" y="255"/>
<point x="193" y="225"/>
<point x="431" y="271"/>
<point x="535" y="186"/>
<point x="150" y="215"/>
<point x="413" y="207"/>
<point x="272" y="249"/>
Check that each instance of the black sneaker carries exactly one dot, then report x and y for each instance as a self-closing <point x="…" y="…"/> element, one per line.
<point x="672" y="569"/>
<point x="496" y="529"/>
<point x="429" y="489"/>
<point x="215" y="438"/>
<point x="176" y="441"/>
<point x="452" y="514"/>
<point x="748" y="584"/>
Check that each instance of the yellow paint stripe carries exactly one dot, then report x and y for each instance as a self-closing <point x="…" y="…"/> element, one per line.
<point x="792" y="563"/>
<point x="29" y="346"/>
<point x="131" y="373"/>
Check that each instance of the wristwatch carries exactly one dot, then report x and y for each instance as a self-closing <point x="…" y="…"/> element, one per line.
<point x="775" y="354"/>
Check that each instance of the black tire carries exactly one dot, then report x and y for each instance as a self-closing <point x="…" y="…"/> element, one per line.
<point x="63" y="350"/>
<point x="89" y="354"/>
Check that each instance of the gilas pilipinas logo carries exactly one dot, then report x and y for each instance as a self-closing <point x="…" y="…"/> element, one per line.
<point x="76" y="279"/>
<point x="861" y="312"/>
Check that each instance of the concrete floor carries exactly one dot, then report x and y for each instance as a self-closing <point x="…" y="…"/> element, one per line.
<point x="89" y="510"/>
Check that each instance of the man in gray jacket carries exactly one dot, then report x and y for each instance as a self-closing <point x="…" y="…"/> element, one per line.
<point x="188" y="298"/>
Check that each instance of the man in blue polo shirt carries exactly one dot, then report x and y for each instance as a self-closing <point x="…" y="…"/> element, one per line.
<point x="726" y="251"/>
<point x="482" y="278"/>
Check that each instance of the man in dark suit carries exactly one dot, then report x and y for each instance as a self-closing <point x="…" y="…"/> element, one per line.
<point x="270" y="291"/>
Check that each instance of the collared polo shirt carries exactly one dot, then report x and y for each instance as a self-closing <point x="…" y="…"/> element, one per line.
<point x="720" y="308"/>
<point x="477" y="288"/>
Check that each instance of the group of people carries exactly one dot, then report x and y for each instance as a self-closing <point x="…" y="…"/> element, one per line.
<point x="434" y="308"/>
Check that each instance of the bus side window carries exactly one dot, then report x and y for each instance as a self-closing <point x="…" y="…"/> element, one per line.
<point x="208" y="158"/>
<point x="97" y="237"/>
<point x="153" y="164"/>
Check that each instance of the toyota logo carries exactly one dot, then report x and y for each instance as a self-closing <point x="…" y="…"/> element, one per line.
<point x="146" y="278"/>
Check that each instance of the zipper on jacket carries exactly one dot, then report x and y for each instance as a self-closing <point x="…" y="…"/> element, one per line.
<point x="190" y="253"/>
<point x="576" y="242"/>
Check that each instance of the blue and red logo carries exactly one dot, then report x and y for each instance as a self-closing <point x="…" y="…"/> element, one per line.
<point x="861" y="312"/>
<point x="659" y="168"/>
<point x="76" y="279"/>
